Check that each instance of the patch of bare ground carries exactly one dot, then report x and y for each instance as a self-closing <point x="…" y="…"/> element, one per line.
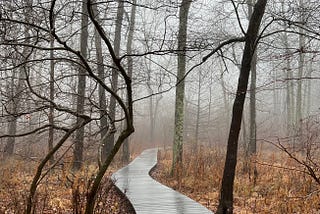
<point x="281" y="185"/>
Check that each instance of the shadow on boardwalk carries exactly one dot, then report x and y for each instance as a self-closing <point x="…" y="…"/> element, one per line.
<point x="149" y="196"/>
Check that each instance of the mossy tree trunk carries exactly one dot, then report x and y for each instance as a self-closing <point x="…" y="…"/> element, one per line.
<point x="180" y="88"/>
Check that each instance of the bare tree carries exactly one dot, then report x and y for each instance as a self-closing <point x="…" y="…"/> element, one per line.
<point x="51" y="109"/>
<point x="179" y="103"/>
<point x="126" y="151"/>
<point x="79" y="137"/>
<point x="251" y="40"/>
<point x="107" y="147"/>
<point x="16" y="91"/>
<point x="101" y="74"/>
<point x="252" y="146"/>
<point x="301" y="65"/>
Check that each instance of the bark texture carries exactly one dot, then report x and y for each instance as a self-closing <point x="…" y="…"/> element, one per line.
<point x="179" y="103"/>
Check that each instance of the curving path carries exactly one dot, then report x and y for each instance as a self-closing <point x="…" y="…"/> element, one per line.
<point x="149" y="196"/>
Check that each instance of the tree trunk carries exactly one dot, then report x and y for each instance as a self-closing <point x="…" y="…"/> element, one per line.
<point x="308" y="89"/>
<point x="79" y="136"/>
<point x="209" y="111"/>
<point x="289" y="89"/>
<point x="12" y="123"/>
<point x="252" y="146"/>
<point x="126" y="106"/>
<point x="198" y="112"/>
<point x="179" y="103"/>
<point x="125" y="147"/>
<point x="104" y="126"/>
<point x="151" y="113"/>
<point x="300" y="73"/>
<point x="12" y="129"/>
<point x="16" y="91"/>
<point x="226" y="192"/>
<point x="108" y="146"/>
<point x="51" y="109"/>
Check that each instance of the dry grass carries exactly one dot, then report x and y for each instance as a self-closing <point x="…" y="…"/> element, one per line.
<point x="60" y="191"/>
<point x="277" y="189"/>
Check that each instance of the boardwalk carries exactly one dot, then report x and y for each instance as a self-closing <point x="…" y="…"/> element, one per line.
<point x="147" y="195"/>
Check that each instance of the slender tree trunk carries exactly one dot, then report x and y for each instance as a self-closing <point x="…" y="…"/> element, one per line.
<point x="210" y="112"/>
<point x="289" y="85"/>
<point x="51" y="109"/>
<point x="252" y="147"/>
<point x="225" y="95"/>
<point x="308" y="89"/>
<point x="179" y="103"/>
<point x="198" y="112"/>
<point x="151" y="112"/>
<point x="226" y="192"/>
<point x="253" y="126"/>
<point x="12" y="123"/>
<point x="108" y="146"/>
<point x="155" y="115"/>
<point x="125" y="147"/>
<point x="300" y="73"/>
<point x="79" y="136"/>
<point x="17" y="90"/>
<point x="289" y="89"/>
<point x="101" y="74"/>
<point x="245" y="141"/>
<point x="12" y="129"/>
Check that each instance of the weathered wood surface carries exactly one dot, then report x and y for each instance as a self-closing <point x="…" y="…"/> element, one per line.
<point x="149" y="196"/>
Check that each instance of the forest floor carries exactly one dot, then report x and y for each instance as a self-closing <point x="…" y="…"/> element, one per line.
<point x="280" y="187"/>
<point x="60" y="191"/>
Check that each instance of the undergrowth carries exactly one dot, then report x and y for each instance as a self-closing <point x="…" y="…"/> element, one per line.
<point x="281" y="186"/>
<point x="60" y="191"/>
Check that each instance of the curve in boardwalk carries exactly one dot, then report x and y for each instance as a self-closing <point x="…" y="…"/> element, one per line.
<point x="149" y="196"/>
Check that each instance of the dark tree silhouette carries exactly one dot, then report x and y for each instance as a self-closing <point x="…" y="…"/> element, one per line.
<point x="251" y="38"/>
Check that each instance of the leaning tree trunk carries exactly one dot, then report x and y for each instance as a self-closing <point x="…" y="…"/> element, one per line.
<point x="226" y="192"/>
<point x="179" y="104"/>
<point x="79" y="137"/>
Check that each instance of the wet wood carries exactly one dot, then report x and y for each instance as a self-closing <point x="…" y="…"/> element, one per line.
<point x="149" y="196"/>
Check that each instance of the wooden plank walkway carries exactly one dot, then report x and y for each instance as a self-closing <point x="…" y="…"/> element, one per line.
<point x="149" y="196"/>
